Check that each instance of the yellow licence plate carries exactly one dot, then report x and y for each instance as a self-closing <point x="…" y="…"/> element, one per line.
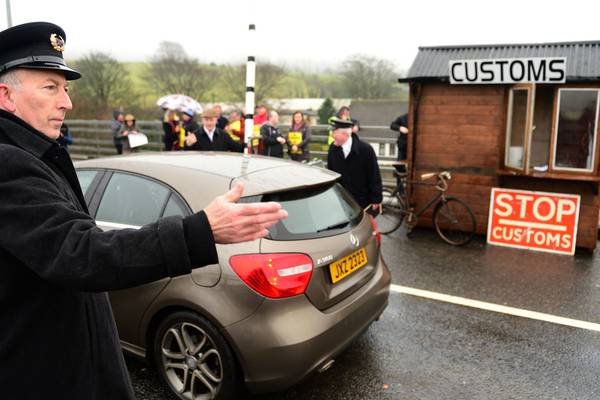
<point x="345" y="266"/>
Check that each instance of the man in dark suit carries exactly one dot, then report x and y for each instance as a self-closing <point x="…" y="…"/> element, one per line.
<point x="356" y="161"/>
<point x="209" y="137"/>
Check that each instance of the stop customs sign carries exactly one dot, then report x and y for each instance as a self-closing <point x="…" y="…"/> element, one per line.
<point x="533" y="220"/>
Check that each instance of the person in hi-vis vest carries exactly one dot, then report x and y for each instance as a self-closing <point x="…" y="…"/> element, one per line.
<point x="260" y="117"/>
<point x="235" y="127"/>
<point x="344" y="114"/>
<point x="298" y="138"/>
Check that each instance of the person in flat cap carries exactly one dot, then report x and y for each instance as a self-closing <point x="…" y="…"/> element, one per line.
<point x="356" y="162"/>
<point x="56" y="264"/>
<point x="209" y="137"/>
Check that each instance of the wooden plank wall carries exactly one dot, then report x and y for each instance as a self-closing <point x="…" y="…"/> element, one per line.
<point x="459" y="128"/>
<point x="462" y="129"/>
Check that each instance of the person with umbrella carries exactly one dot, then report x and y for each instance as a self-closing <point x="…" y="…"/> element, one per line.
<point x="170" y="128"/>
<point x="188" y="125"/>
<point x="174" y="138"/>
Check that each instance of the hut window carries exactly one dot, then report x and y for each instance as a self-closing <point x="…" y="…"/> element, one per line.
<point x="576" y="129"/>
<point x="516" y="127"/>
<point x="541" y="131"/>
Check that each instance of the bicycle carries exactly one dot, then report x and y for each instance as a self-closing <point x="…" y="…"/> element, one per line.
<point x="453" y="219"/>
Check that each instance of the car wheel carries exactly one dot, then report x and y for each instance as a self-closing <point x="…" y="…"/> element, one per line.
<point x="194" y="359"/>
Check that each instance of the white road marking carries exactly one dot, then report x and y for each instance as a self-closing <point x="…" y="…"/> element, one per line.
<point x="518" y="312"/>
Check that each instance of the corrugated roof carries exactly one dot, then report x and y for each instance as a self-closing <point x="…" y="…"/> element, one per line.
<point x="583" y="58"/>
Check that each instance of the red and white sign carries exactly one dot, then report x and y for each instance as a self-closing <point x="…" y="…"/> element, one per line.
<point x="533" y="220"/>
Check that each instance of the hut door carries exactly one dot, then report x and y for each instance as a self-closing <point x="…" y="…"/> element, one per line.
<point x="518" y="126"/>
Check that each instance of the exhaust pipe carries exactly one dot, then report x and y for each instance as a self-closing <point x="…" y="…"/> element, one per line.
<point x="326" y="366"/>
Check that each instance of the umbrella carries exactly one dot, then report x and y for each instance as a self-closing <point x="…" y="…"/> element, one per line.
<point x="179" y="102"/>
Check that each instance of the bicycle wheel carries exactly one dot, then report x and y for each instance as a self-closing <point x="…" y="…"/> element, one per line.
<point x="454" y="221"/>
<point x="393" y="210"/>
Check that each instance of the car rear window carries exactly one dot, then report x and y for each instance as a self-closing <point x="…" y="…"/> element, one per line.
<point x="317" y="212"/>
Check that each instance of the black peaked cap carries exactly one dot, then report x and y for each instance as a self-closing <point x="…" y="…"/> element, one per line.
<point x="35" y="45"/>
<point x="337" y="123"/>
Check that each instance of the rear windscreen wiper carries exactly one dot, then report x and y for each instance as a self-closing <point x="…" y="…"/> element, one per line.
<point x="334" y="226"/>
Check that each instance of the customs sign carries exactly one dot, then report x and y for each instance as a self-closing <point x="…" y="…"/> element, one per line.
<point x="508" y="71"/>
<point x="533" y="220"/>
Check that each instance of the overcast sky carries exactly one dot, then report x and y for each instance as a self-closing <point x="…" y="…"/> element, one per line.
<point x="310" y="33"/>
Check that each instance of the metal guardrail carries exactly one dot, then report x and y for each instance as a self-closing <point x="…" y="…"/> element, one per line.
<point x="92" y="139"/>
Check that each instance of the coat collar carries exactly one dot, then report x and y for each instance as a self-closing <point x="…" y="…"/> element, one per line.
<point x="354" y="149"/>
<point x="355" y="145"/>
<point x="23" y="135"/>
<point x="216" y="132"/>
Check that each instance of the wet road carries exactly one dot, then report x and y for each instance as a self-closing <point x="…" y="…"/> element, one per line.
<point x="426" y="349"/>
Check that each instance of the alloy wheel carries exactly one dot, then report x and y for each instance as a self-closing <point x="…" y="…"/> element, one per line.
<point x="191" y="362"/>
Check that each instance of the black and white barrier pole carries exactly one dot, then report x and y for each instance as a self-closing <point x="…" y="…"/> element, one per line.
<point x="250" y="77"/>
<point x="8" y="15"/>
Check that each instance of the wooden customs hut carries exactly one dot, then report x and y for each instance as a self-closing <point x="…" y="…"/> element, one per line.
<point x="522" y="116"/>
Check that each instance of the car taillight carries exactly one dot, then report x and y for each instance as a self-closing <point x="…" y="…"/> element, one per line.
<point x="275" y="275"/>
<point x="377" y="234"/>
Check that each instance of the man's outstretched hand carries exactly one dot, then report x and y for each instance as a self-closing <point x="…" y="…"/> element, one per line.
<point x="234" y="223"/>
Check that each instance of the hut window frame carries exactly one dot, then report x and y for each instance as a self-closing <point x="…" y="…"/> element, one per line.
<point x="524" y="166"/>
<point x="511" y="150"/>
<point x="591" y="146"/>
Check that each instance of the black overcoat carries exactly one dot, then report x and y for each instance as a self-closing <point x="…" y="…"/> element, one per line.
<point x="402" y="137"/>
<point x="360" y="171"/>
<point x="58" y="338"/>
<point x="269" y="134"/>
<point x="221" y="142"/>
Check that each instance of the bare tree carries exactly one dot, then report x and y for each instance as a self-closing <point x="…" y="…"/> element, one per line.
<point x="105" y="85"/>
<point x="368" y="77"/>
<point x="268" y="79"/>
<point x="171" y="70"/>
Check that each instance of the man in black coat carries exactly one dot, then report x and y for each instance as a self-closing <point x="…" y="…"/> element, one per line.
<point x="272" y="139"/>
<point x="209" y="137"/>
<point x="400" y="125"/>
<point x="59" y="339"/>
<point x="222" y="122"/>
<point x="356" y="161"/>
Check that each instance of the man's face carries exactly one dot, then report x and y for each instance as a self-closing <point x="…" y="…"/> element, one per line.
<point x="340" y="136"/>
<point x="345" y="115"/>
<point x="274" y="119"/>
<point x="41" y="100"/>
<point x="209" y="123"/>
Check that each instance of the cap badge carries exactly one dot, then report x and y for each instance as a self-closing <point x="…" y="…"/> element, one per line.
<point x="57" y="42"/>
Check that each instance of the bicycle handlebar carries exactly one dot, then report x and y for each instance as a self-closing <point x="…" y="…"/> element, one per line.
<point x="443" y="178"/>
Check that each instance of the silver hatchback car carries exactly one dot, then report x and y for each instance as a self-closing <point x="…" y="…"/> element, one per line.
<point x="272" y="310"/>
